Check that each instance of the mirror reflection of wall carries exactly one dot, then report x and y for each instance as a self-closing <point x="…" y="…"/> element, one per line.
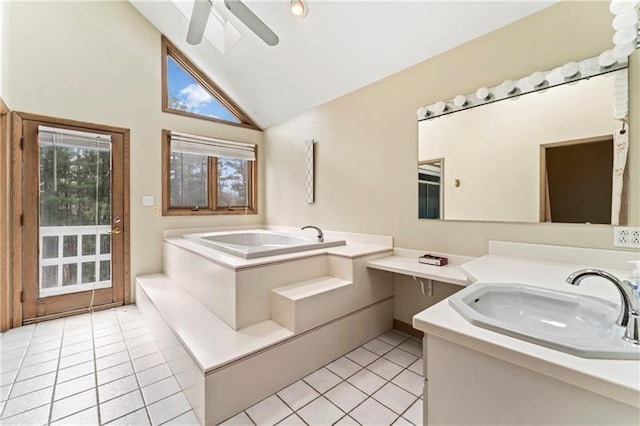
<point x="495" y="153"/>
<point x="429" y="189"/>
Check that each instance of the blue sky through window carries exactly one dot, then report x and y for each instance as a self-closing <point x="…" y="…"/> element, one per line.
<point x="187" y="95"/>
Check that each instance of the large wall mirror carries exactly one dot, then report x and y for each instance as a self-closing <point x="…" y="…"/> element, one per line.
<point x="544" y="156"/>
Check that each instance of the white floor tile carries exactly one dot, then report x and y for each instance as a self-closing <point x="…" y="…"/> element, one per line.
<point x="135" y="332"/>
<point x="409" y="381"/>
<point x="69" y="340"/>
<point x="37" y="416"/>
<point x="362" y="356"/>
<point x="107" y="331"/>
<point x="269" y="411"/>
<point x="76" y="371"/>
<point x="36" y="370"/>
<point x="117" y="388"/>
<point x="385" y="368"/>
<point x="46" y="337"/>
<point x="187" y="419"/>
<point x="73" y="404"/>
<point x="27" y="402"/>
<point x="108" y="340"/>
<point x="414" y="413"/>
<point x="168" y="408"/>
<point x="371" y="412"/>
<point x="418" y="366"/>
<point x="345" y="396"/>
<point x="394" y="398"/>
<point x="112" y="360"/>
<point x="4" y="392"/>
<point x="79" y="384"/>
<point x="120" y="406"/>
<point x="140" y="340"/>
<point x="378" y="346"/>
<point x="44" y="347"/>
<point x="402" y="422"/>
<point x="154" y="374"/>
<point x="400" y="357"/>
<point x="114" y="373"/>
<point x="347" y="421"/>
<point x="159" y="390"/>
<point x="8" y="354"/>
<point x="392" y="338"/>
<point x="110" y="349"/>
<point x="39" y="358"/>
<point x="33" y="384"/>
<point x="137" y="418"/>
<point x="84" y="417"/>
<point x="10" y="364"/>
<point x="344" y="367"/>
<point x="142" y="350"/>
<point x="239" y="419"/>
<point x="298" y="394"/>
<point x="6" y="378"/>
<point x="76" y="348"/>
<point x="292" y="420"/>
<point x="367" y="381"/>
<point x="412" y="346"/>
<point x="75" y="359"/>
<point x="320" y="412"/>
<point x="148" y="361"/>
<point x="322" y="380"/>
<point x="128" y="325"/>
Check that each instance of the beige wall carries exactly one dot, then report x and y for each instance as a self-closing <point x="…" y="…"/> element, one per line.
<point x="100" y="62"/>
<point x="494" y="151"/>
<point x="367" y="140"/>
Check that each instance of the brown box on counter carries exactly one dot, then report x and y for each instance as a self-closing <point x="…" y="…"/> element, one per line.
<point x="430" y="259"/>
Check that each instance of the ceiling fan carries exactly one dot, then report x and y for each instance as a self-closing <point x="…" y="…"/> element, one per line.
<point x="202" y="10"/>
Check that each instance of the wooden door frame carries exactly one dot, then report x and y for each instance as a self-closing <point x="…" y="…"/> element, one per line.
<point x="18" y="194"/>
<point x="5" y="222"/>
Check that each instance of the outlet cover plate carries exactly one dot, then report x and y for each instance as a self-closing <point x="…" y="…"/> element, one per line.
<point x="626" y="236"/>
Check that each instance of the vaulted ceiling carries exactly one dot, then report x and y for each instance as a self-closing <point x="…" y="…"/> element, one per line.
<point x="338" y="48"/>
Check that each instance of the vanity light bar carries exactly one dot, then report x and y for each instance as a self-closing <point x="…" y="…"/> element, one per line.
<point x="570" y="72"/>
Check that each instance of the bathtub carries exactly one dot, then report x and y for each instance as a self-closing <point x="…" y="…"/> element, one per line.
<point x="251" y="244"/>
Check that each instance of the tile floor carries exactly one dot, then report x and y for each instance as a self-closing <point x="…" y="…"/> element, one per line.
<point x="105" y="368"/>
<point x="379" y="383"/>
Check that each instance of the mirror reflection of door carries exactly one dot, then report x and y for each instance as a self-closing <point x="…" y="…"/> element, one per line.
<point x="73" y="233"/>
<point x="430" y="174"/>
<point x="577" y="177"/>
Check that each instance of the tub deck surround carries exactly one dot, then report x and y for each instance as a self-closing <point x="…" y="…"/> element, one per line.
<point x="618" y="381"/>
<point x="242" y="292"/>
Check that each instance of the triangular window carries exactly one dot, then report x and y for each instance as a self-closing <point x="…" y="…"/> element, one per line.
<point x="188" y="91"/>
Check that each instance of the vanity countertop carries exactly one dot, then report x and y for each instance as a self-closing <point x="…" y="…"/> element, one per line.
<point x="615" y="379"/>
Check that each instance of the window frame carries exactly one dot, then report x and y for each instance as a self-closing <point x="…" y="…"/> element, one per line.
<point x="169" y="49"/>
<point x="212" y="187"/>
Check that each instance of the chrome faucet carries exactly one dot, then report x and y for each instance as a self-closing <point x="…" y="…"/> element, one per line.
<point x="320" y="233"/>
<point x="629" y="316"/>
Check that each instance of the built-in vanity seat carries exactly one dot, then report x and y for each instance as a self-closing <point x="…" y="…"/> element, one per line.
<point x="236" y="330"/>
<point x="478" y="376"/>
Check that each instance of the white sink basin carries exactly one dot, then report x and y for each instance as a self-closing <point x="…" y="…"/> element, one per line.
<point x="572" y="323"/>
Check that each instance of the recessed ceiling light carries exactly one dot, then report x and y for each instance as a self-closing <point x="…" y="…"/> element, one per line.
<point x="299" y="8"/>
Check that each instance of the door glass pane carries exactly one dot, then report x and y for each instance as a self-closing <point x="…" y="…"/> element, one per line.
<point x="74" y="211"/>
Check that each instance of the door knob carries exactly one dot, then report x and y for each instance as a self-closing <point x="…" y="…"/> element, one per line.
<point x="115" y="230"/>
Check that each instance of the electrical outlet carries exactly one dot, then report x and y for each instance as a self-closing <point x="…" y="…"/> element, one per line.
<point x="626" y="236"/>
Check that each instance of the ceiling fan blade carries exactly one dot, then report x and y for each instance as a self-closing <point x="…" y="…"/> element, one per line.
<point x="198" y="22"/>
<point x="244" y="14"/>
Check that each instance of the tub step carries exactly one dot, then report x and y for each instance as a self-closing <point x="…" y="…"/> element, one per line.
<point x="304" y="305"/>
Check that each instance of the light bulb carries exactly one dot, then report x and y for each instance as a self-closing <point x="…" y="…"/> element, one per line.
<point x="298" y="8"/>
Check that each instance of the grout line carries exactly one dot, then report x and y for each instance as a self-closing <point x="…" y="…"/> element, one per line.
<point x="95" y="368"/>
<point x="55" y="379"/>
<point x="135" y="373"/>
<point x="14" y="380"/>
